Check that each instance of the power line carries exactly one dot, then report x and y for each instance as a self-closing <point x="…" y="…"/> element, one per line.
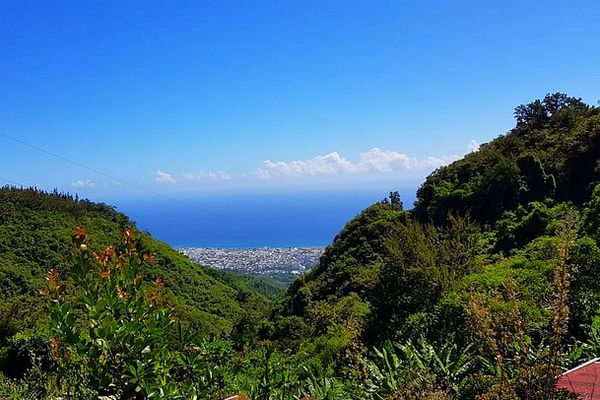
<point x="114" y="178"/>
<point x="12" y="182"/>
<point x="137" y="216"/>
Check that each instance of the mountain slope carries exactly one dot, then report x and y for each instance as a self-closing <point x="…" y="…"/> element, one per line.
<point x="552" y="152"/>
<point x="35" y="235"/>
<point x="351" y="262"/>
<point x="489" y="223"/>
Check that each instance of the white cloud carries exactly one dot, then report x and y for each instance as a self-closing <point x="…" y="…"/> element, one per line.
<point x="378" y="160"/>
<point x="327" y="164"/>
<point x="83" y="183"/>
<point x="206" y="176"/>
<point x="472" y="146"/>
<point x="164" y="177"/>
<point x="375" y="160"/>
<point x="375" y="163"/>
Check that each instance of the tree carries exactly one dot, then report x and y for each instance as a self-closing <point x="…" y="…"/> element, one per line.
<point x="592" y="213"/>
<point x="536" y="184"/>
<point x="539" y="113"/>
<point x="395" y="199"/>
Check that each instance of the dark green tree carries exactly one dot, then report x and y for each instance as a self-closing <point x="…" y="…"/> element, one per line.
<point x="395" y="199"/>
<point x="539" y="113"/>
<point x="535" y="183"/>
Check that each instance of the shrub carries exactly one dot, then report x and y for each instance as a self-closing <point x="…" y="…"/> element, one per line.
<point x="114" y="332"/>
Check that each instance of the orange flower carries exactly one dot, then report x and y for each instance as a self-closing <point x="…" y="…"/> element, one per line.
<point x="105" y="274"/>
<point x="122" y="293"/>
<point x="137" y="278"/>
<point x="148" y="256"/>
<point x="173" y="317"/>
<point x="43" y="292"/>
<point x="78" y="235"/>
<point x="129" y="235"/>
<point x="152" y="296"/>
<point x="54" y="346"/>
<point x="57" y="350"/>
<point x="105" y="256"/>
<point x="53" y="274"/>
<point x="109" y="252"/>
<point x="159" y="283"/>
<point x="99" y="257"/>
<point x="52" y="279"/>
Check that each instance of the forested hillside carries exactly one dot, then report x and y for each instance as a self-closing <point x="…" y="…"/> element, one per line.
<point x="552" y="153"/>
<point x="500" y="250"/>
<point x="503" y="202"/>
<point x="35" y="236"/>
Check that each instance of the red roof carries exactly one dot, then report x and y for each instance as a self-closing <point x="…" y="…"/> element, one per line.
<point x="583" y="380"/>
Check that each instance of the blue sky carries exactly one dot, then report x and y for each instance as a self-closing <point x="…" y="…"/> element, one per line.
<point x="194" y="97"/>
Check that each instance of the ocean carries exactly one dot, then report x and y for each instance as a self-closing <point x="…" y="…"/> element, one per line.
<point x="251" y="220"/>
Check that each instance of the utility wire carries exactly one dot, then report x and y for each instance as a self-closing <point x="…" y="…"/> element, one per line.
<point x="12" y="182"/>
<point x="136" y="216"/>
<point x="114" y="178"/>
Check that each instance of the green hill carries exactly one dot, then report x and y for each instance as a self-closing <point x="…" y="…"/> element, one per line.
<point x="490" y="221"/>
<point x="551" y="153"/>
<point x="35" y="235"/>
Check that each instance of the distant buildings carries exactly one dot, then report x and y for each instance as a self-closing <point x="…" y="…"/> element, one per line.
<point x="264" y="261"/>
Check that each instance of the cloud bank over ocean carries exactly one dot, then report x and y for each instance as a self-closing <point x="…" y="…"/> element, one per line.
<point x="373" y="164"/>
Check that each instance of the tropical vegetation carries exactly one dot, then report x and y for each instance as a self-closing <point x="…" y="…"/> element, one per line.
<point x="487" y="289"/>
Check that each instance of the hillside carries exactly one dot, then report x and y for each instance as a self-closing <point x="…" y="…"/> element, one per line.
<point x="35" y="235"/>
<point x="551" y="153"/>
<point x="480" y="255"/>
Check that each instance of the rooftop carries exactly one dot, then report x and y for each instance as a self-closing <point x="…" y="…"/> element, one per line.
<point x="583" y="380"/>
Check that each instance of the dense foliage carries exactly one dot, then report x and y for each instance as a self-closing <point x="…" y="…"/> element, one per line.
<point x="551" y="153"/>
<point x="35" y="232"/>
<point x="487" y="289"/>
<point x="500" y="247"/>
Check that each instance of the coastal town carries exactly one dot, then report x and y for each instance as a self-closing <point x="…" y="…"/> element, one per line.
<point x="263" y="261"/>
